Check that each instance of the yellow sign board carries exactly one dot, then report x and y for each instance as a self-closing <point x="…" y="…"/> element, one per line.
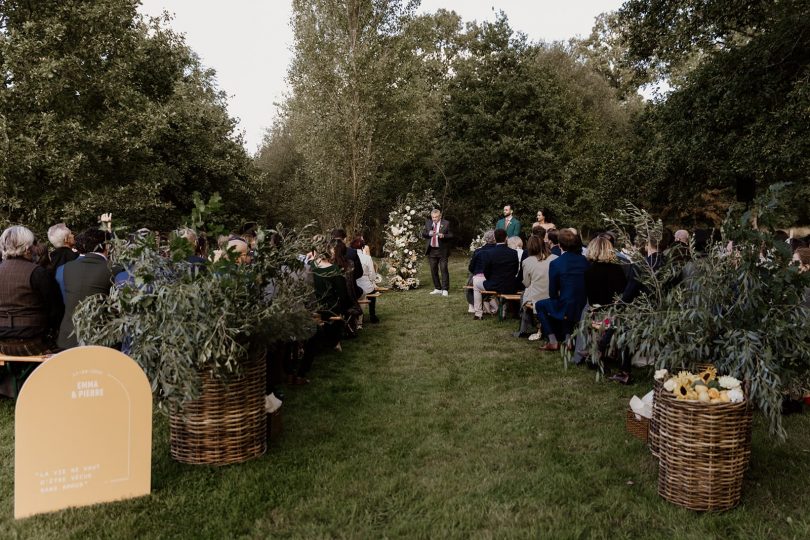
<point x="83" y="432"/>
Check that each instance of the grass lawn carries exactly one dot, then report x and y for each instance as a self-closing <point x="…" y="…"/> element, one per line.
<point x="435" y="425"/>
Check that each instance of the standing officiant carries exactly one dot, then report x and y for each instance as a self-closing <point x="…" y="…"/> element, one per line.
<point x="437" y="232"/>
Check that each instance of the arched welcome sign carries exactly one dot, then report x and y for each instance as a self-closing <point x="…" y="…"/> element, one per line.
<point x="83" y="432"/>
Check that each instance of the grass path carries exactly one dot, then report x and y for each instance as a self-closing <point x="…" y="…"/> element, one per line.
<point x="433" y="425"/>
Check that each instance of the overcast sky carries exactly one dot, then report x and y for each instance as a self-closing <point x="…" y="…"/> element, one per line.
<point x="248" y="42"/>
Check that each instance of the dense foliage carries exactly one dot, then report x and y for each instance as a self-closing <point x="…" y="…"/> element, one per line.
<point x="738" y="306"/>
<point x="104" y="111"/>
<point x="740" y="105"/>
<point x="176" y="318"/>
<point x="473" y="111"/>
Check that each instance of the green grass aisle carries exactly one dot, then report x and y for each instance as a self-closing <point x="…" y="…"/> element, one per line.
<point x="434" y="425"/>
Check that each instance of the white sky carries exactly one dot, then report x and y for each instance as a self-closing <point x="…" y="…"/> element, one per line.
<point x="248" y="42"/>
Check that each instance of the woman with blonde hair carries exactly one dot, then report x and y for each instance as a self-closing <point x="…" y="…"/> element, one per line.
<point x="604" y="278"/>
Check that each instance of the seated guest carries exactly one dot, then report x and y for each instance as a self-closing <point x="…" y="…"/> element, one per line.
<point x="605" y="278"/>
<point x="501" y="266"/>
<point x="30" y="307"/>
<point x="552" y="239"/>
<point x="561" y="311"/>
<point x="190" y="236"/>
<point x="40" y="255"/>
<point x="367" y="281"/>
<point x="653" y="263"/>
<point x="536" y="230"/>
<point x="86" y="276"/>
<point x="476" y="268"/>
<point x="240" y="249"/>
<point x="351" y="254"/>
<point x="535" y="280"/>
<point x="331" y="291"/>
<point x="516" y="243"/>
<point x="802" y="258"/>
<point x="62" y="240"/>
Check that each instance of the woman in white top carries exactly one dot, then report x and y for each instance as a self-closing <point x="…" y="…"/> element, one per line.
<point x="535" y="279"/>
<point x="367" y="282"/>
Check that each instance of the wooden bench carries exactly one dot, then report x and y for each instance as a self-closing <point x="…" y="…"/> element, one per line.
<point x="483" y="293"/>
<point x="41" y="358"/>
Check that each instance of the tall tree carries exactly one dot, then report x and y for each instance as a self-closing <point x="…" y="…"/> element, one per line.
<point x="527" y="124"/>
<point x="106" y="111"/>
<point x="741" y="113"/>
<point x="348" y="98"/>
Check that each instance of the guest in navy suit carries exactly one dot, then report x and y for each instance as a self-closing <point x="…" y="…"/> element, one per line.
<point x="499" y="265"/>
<point x="559" y="313"/>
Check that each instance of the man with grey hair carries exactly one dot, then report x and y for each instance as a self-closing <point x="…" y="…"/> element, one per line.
<point x="61" y="238"/>
<point x="476" y="268"/>
<point x="30" y="306"/>
<point x="437" y="232"/>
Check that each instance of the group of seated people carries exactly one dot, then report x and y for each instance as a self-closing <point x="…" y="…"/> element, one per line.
<point x="40" y="289"/>
<point x="563" y="281"/>
<point x="343" y="276"/>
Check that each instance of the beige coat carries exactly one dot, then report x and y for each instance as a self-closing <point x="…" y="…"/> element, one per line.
<point x="535" y="278"/>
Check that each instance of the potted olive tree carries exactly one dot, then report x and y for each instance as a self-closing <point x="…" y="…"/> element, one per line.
<point x="200" y="331"/>
<point x="736" y="307"/>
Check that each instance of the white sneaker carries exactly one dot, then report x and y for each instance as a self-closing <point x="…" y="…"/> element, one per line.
<point x="534" y="337"/>
<point x="444" y="293"/>
<point x="436" y="291"/>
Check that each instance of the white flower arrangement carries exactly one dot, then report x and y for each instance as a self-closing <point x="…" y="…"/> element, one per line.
<point x="476" y="243"/>
<point x="403" y="240"/>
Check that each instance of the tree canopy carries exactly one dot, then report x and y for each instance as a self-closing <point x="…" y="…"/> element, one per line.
<point x="105" y="111"/>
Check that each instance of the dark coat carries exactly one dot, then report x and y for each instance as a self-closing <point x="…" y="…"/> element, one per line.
<point x="83" y="277"/>
<point x="478" y="259"/>
<point x="444" y="243"/>
<point x="60" y="256"/>
<point x="352" y="255"/>
<point x="634" y="285"/>
<point x="603" y="281"/>
<point x="566" y="287"/>
<point x="500" y="268"/>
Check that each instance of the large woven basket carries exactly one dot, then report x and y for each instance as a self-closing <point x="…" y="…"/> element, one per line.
<point x="658" y="388"/>
<point x="704" y="451"/>
<point x="227" y="423"/>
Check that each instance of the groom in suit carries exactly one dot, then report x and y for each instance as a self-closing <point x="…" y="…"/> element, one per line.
<point x="437" y="232"/>
<point x="509" y="222"/>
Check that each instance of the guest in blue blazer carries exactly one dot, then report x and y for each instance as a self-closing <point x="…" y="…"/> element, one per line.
<point x="566" y="286"/>
<point x="501" y="266"/>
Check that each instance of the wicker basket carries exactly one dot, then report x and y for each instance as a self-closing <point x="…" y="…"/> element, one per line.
<point x="638" y="427"/>
<point x="658" y="388"/>
<point x="704" y="451"/>
<point x="227" y="423"/>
